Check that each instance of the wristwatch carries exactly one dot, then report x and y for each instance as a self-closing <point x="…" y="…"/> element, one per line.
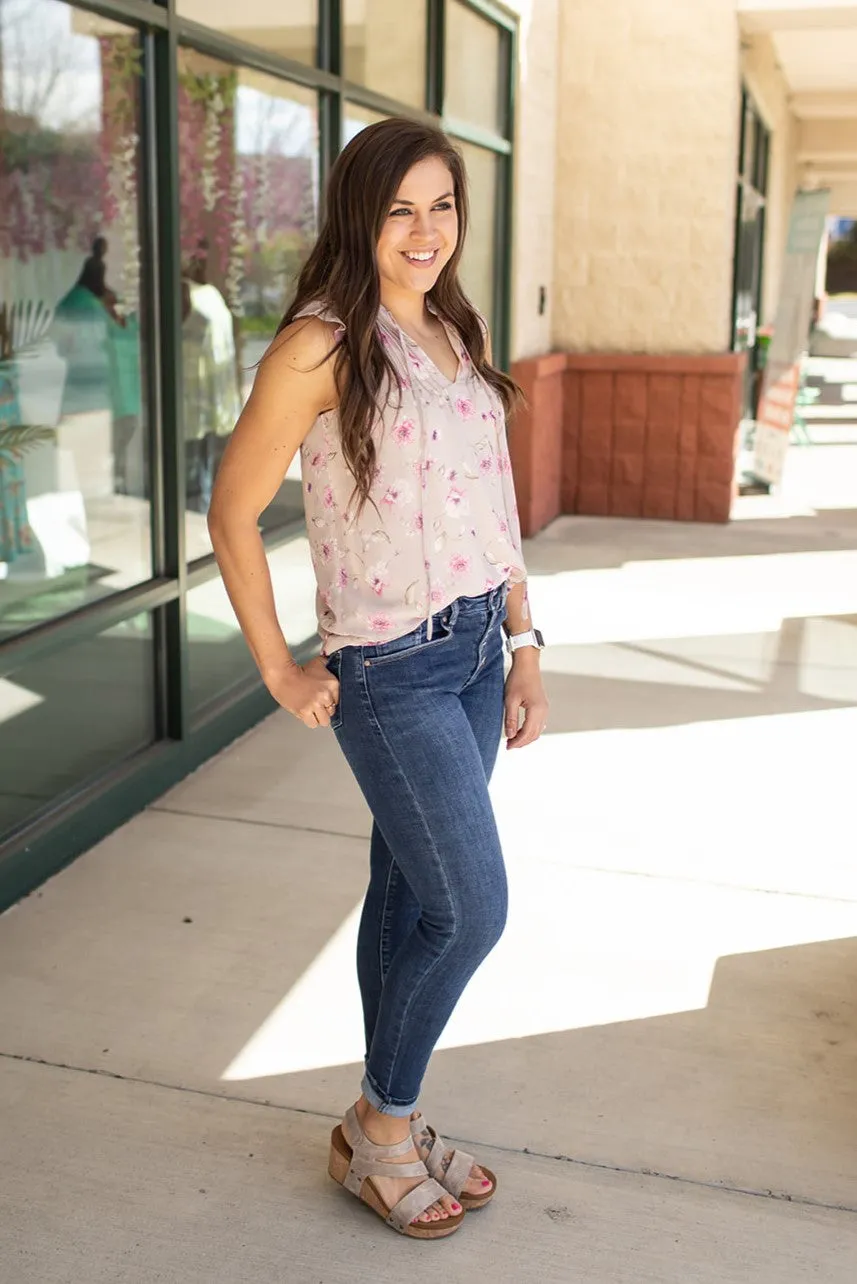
<point x="531" y="638"/>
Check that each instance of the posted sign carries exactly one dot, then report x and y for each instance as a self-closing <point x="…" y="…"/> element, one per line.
<point x="791" y="332"/>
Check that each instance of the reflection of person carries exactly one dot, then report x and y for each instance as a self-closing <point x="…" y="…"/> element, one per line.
<point x="93" y="274"/>
<point x="130" y="467"/>
<point x="212" y="400"/>
<point x="102" y="348"/>
<point x="93" y="277"/>
<point x="381" y="376"/>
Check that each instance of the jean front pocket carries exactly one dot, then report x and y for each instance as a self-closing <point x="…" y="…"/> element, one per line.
<point x="415" y="643"/>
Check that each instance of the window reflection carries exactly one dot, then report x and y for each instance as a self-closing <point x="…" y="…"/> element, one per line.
<point x="249" y="184"/>
<point x="66" y="717"/>
<point x="284" y="27"/>
<point x="385" y="47"/>
<point x="355" y="118"/>
<point x="74" y="453"/>
<point x="478" y="261"/>
<point x="473" y="53"/>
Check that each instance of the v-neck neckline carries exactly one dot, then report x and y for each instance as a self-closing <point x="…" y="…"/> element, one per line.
<point x="454" y="343"/>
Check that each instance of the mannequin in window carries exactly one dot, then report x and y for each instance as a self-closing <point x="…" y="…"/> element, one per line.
<point x="212" y="400"/>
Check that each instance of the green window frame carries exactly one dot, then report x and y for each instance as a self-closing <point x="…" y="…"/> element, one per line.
<point x="750" y="209"/>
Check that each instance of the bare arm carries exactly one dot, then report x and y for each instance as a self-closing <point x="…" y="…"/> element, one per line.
<point x="288" y="394"/>
<point x="525" y="692"/>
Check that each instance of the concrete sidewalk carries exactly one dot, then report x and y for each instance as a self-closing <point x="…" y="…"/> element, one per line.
<point x="659" y="1060"/>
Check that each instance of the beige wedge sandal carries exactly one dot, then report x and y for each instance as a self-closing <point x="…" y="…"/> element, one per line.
<point x="457" y="1171"/>
<point x="355" y="1160"/>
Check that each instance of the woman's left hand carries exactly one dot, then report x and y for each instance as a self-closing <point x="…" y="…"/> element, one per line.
<point x="524" y="690"/>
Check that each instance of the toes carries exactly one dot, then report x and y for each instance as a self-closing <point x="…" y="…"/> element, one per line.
<point x="450" y="1205"/>
<point x="433" y="1214"/>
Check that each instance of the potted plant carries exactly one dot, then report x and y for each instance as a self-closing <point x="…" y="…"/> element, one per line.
<point x="15" y="440"/>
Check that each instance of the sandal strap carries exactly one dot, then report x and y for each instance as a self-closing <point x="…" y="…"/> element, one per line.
<point x="359" y="1142"/>
<point x="414" y="1203"/>
<point x="361" y="1168"/>
<point x="458" y="1172"/>
<point x="460" y="1163"/>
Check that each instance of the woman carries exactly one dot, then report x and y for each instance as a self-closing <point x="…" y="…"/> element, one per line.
<point x="380" y="374"/>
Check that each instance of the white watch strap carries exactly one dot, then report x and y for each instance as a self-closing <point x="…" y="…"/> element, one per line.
<point x="522" y="639"/>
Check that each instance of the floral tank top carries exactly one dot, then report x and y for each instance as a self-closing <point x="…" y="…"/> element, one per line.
<point x="444" y="523"/>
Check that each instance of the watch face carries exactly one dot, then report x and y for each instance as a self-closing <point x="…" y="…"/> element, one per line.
<point x="539" y="637"/>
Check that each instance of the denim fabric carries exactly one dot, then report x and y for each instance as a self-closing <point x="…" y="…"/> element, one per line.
<point x="420" y="724"/>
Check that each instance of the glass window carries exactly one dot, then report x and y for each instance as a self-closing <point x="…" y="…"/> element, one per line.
<point x="473" y="81"/>
<point x="284" y="27"/>
<point x="477" y="264"/>
<point x="249" y="211"/>
<point x="385" y="47"/>
<point x="71" y="715"/>
<point x="219" y="658"/>
<point x="74" y="441"/>
<point x="355" y="118"/>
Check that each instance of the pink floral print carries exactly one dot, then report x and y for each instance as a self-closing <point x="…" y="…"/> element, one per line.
<point x="378" y="577"/>
<point x="456" y="502"/>
<point x="397" y="493"/>
<point x="405" y="431"/>
<point x="437" y="526"/>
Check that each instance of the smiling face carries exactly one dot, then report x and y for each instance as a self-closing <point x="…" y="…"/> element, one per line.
<point x="420" y="232"/>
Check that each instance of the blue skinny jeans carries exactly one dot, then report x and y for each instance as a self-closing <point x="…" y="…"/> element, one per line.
<point x="420" y="723"/>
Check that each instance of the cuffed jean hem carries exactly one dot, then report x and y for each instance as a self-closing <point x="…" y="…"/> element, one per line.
<point x="385" y="1107"/>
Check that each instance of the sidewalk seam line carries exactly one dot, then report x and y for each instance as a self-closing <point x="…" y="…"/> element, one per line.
<point x="585" y="869"/>
<point x="802" y="1201"/>
<point x="248" y="820"/>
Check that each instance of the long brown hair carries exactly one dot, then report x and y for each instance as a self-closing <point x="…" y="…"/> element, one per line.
<point x="342" y="272"/>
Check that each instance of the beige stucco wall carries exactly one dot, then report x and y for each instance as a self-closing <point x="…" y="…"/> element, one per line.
<point x="831" y="148"/>
<point x="843" y="198"/>
<point x="769" y="89"/>
<point x="645" y="191"/>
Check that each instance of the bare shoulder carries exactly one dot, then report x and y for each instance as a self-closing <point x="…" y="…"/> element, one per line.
<point x="300" y="360"/>
<point x="303" y="344"/>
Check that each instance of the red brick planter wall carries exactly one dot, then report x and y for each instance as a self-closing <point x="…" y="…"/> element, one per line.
<point x="536" y="440"/>
<point x="627" y="436"/>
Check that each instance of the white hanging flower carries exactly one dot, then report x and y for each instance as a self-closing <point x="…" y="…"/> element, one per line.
<point x="123" y="186"/>
<point x="214" y="105"/>
<point x="238" y="246"/>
